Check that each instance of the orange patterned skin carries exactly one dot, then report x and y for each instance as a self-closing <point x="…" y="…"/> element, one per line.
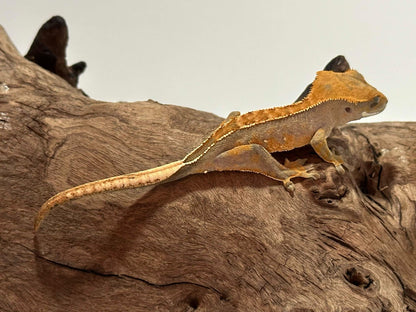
<point x="245" y="142"/>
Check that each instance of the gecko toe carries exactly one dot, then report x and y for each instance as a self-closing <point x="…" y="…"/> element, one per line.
<point x="340" y="169"/>
<point x="298" y="163"/>
<point x="314" y="175"/>
<point x="309" y="173"/>
<point x="289" y="186"/>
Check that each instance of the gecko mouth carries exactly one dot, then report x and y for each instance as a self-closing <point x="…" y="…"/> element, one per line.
<point x="368" y="114"/>
<point x="375" y="106"/>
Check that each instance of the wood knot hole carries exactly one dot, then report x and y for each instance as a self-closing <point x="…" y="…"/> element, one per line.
<point x="193" y="303"/>
<point x="358" y="278"/>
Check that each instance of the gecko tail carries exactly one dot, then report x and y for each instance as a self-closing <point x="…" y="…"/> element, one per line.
<point x="126" y="181"/>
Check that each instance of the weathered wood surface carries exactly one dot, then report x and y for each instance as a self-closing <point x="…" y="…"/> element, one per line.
<point x="214" y="242"/>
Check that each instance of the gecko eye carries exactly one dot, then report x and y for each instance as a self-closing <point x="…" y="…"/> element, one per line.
<point x="348" y="109"/>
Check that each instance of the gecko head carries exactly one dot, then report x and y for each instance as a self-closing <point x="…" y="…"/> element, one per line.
<point x="348" y="89"/>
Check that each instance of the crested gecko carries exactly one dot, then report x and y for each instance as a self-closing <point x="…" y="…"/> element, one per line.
<point x="245" y="142"/>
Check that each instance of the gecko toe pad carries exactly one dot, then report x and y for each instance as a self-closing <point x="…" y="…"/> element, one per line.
<point x="289" y="186"/>
<point x="340" y="169"/>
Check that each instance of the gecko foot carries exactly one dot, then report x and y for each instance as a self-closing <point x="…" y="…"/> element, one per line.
<point x="338" y="161"/>
<point x="340" y="169"/>
<point x="297" y="164"/>
<point x="289" y="186"/>
<point x="310" y="174"/>
<point x="300" y="171"/>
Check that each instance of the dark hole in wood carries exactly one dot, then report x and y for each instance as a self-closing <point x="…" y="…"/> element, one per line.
<point x="357" y="278"/>
<point x="194" y="303"/>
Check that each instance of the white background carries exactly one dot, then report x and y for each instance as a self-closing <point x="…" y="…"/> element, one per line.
<point x="225" y="55"/>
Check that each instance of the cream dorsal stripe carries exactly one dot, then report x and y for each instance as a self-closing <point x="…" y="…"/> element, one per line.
<point x="245" y="142"/>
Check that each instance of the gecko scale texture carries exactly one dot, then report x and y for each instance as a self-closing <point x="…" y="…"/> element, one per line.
<point x="245" y="142"/>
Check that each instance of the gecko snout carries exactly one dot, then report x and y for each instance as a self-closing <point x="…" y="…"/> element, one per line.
<point x="378" y="100"/>
<point x="375" y="105"/>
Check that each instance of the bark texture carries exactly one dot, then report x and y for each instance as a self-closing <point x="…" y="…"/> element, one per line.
<point x="216" y="242"/>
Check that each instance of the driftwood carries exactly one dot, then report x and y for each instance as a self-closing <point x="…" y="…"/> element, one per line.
<point x="215" y="242"/>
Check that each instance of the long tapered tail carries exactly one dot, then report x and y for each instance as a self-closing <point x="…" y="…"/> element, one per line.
<point x="126" y="181"/>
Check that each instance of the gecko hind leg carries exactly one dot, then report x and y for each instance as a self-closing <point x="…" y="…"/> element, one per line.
<point x="255" y="158"/>
<point x="230" y="116"/>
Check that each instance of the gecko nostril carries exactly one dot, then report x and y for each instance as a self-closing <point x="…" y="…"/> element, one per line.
<point x="375" y="102"/>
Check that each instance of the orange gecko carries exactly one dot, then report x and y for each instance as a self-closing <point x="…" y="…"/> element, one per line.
<point x="245" y="142"/>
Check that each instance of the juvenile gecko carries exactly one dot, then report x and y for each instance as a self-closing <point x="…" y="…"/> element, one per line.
<point x="245" y="142"/>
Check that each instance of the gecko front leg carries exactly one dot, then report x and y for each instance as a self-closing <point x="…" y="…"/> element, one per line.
<point x="320" y="145"/>
<point x="255" y="158"/>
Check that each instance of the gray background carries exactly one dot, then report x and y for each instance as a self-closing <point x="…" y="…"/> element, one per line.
<point x="225" y="55"/>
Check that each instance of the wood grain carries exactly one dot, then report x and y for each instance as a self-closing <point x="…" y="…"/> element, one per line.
<point x="213" y="242"/>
